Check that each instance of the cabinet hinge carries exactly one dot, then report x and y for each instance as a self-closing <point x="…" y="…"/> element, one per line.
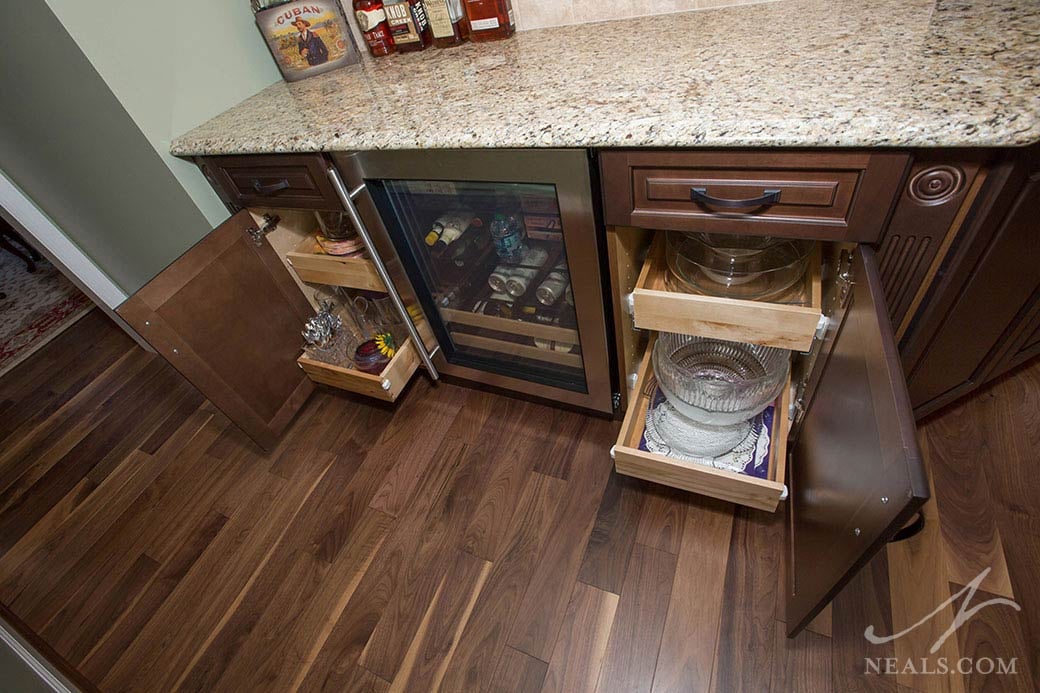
<point x="845" y="279"/>
<point x="270" y="224"/>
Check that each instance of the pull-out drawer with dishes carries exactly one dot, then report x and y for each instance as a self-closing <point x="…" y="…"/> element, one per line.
<point x="842" y="459"/>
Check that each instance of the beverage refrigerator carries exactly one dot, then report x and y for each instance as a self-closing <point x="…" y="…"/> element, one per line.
<point x="496" y="259"/>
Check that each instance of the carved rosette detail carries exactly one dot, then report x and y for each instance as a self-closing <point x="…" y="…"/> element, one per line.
<point x="936" y="185"/>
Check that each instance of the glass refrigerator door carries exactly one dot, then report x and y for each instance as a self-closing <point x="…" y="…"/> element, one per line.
<point x="495" y="278"/>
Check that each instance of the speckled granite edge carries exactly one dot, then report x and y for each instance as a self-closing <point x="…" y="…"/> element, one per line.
<point x="876" y="73"/>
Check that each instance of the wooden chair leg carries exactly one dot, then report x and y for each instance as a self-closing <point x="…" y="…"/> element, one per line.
<point x="29" y="258"/>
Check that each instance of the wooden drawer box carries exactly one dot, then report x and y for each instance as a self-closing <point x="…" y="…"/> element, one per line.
<point x="836" y="196"/>
<point x="315" y="267"/>
<point x="764" y="494"/>
<point x="385" y="386"/>
<point x="787" y="326"/>
<point x="294" y="181"/>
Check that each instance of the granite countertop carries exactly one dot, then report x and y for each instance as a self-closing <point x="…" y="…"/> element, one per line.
<point x="848" y="73"/>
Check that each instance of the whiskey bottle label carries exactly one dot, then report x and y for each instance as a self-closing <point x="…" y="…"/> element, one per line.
<point x="443" y="15"/>
<point x="403" y="23"/>
<point x="482" y="24"/>
<point x="370" y="19"/>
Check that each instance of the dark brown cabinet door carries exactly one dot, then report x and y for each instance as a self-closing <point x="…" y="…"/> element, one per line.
<point x="228" y="316"/>
<point x="856" y="471"/>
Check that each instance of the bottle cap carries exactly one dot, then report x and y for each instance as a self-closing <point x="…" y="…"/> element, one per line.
<point x="432" y="237"/>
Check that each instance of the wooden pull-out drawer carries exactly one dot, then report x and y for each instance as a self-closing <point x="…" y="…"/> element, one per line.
<point x="783" y="325"/>
<point x="764" y="494"/>
<point x="295" y="181"/>
<point x="823" y="195"/>
<point x="315" y="267"/>
<point x="386" y="386"/>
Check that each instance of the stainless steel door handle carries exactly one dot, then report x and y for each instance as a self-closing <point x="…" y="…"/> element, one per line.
<point x="347" y="198"/>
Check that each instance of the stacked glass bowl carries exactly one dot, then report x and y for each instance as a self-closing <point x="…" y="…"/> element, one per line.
<point x="713" y="390"/>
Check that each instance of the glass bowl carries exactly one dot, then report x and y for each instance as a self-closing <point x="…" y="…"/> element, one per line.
<point x="748" y="267"/>
<point x="715" y="382"/>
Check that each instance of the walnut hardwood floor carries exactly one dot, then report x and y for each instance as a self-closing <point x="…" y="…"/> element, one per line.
<point x="460" y="541"/>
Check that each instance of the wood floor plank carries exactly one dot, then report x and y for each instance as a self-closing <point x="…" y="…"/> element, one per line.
<point x="111" y="644"/>
<point x="476" y="656"/>
<point x="525" y="432"/>
<point x="278" y="650"/>
<point x="863" y="603"/>
<point x="1022" y="563"/>
<point x="556" y="460"/>
<point x="994" y="634"/>
<point x="971" y="540"/>
<point x="292" y="575"/>
<point x="918" y="584"/>
<point x="401" y="482"/>
<point x="517" y="672"/>
<point x="455" y="482"/>
<point x="351" y="634"/>
<point x="544" y="604"/>
<point x="204" y="599"/>
<point x="662" y="519"/>
<point x="577" y="657"/>
<point x="73" y="631"/>
<point x="437" y="637"/>
<point x="614" y="534"/>
<point x="698" y="591"/>
<point x="744" y="654"/>
<point x="635" y="638"/>
<point x="802" y="663"/>
<point x="102" y="531"/>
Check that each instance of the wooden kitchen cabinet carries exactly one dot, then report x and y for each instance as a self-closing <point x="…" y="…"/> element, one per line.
<point x="982" y="316"/>
<point x="228" y="314"/>
<point x="844" y="450"/>
<point x="827" y="194"/>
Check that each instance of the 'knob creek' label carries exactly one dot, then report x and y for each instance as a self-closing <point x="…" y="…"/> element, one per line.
<point x="406" y="21"/>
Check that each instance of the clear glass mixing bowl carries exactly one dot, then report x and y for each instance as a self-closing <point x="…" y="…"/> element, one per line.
<point x="748" y="267"/>
<point x="715" y="382"/>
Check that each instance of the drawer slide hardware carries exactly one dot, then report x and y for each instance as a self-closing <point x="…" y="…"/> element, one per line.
<point x="271" y="222"/>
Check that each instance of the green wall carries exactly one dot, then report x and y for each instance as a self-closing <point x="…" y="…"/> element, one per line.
<point x="68" y="143"/>
<point x="172" y="66"/>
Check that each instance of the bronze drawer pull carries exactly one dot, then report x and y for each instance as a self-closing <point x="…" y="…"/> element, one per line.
<point x="271" y="189"/>
<point x="769" y="197"/>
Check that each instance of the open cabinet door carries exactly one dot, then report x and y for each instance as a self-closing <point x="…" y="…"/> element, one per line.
<point x="227" y="315"/>
<point x="856" y="472"/>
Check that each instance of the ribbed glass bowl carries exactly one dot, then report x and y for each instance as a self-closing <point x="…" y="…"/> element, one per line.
<point x="747" y="267"/>
<point x="715" y="382"/>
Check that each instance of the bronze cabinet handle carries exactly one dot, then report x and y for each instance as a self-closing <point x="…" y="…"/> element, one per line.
<point x="768" y="197"/>
<point x="271" y="189"/>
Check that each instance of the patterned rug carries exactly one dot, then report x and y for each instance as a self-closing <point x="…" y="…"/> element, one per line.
<point x="38" y="308"/>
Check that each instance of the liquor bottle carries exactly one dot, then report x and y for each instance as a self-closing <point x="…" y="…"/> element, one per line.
<point x="469" y="248"/>
<point x="448" y="22"/>
<point x="522" y="276"/>
<point x="371" y="19"/>
<point x="408" y="24"/>
<point x="449" y="227"/>
<point x="490" y="20"/>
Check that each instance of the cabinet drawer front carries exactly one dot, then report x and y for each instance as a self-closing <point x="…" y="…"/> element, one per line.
<point x="386" y="386"/>
<point x="764" y="494"/>
<point x="825" y="195"/>
<point x="284" y="180"/>
<point x="655" y="307"/>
